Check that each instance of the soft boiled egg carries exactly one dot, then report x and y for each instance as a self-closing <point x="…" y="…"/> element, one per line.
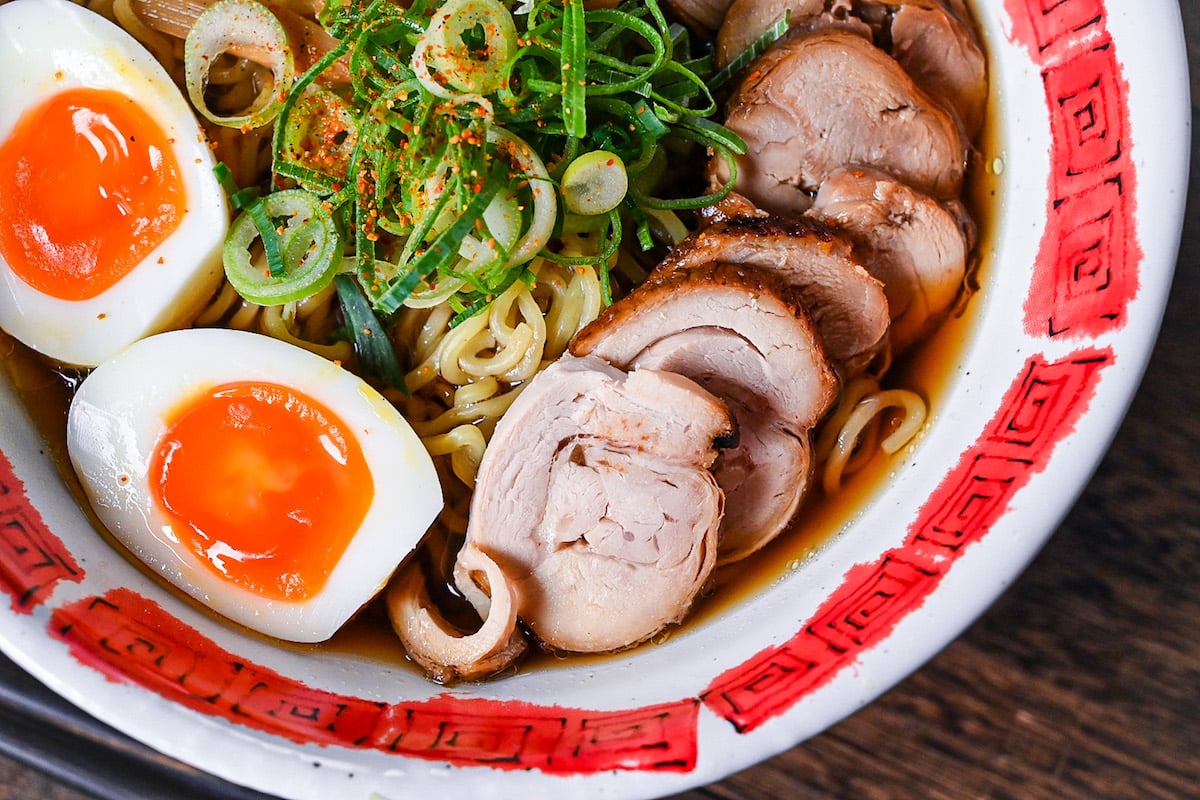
<point x="266" y="482"/>
<point x="111" y="220"/>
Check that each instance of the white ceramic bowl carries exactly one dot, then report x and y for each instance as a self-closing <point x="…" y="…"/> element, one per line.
<point x="1091" y="150"/>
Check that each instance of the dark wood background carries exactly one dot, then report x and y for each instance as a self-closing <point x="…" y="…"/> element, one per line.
<point x="1082" y="681"/>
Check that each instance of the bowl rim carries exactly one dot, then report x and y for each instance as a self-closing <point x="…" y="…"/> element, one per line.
<point x="709" y="720"/>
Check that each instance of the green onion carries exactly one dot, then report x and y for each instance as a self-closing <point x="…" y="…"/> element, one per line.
<point x="465" y="48"/>
<point x="238" y="198"/>
<point x="319" y="135"/>
<point x="574" y="69"/>
<point x="253" y="28"/>
<point x="302" y="260"/>
<point x="257" y="212"/>
<point x="443" y="248"/>
<point x="431" y="165"/>
<point x="371" y="343"/>
<point x="595" y="183"/>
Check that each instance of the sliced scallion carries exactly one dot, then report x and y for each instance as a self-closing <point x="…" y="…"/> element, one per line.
<point x="751" y="53"/>
<point x="308" y="250"/>
<point x="255" y="32"/>
<point x="595" y="183"/>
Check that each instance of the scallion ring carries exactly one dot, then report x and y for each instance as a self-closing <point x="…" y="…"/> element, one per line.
<point x="250" y="29"/>
<point x="465" y="48"/>
<point x="594" y="183"/>
<point x="545" y="204"/>
<point x="309" y="248"/>
<point x="434" y="295"/>
<point x="320" y="135"/>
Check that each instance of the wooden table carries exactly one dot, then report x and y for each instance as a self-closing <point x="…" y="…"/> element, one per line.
<point x="1083" y="681"/>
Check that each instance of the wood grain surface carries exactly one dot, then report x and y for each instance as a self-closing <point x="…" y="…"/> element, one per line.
<point x="1082" y="681"/>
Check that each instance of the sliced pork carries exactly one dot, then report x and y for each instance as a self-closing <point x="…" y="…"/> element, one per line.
<point x="767" y="474"/>
<point x="745" y="336"/>
<point x="817" y="102"/>
<point x="845" y="302"/>
<point x="910" y="242"/>
<point x="595" y="500"/>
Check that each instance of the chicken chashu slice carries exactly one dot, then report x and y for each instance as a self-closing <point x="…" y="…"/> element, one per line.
<point x="817" y="102"/>
<point x="847" y="304"/>
<point x="916" y="246"/>
<point x="747" y="20"/>
<point x="933" y="41"/>
<point x="702" y="16"/>
<point x="745" y="336"/>
<point x="937" y="45"/>
<point x="595" y="500"/>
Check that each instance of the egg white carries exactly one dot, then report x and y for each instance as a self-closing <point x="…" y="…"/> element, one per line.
<point x="120" y="412"/>
<point x="47" y="46"/>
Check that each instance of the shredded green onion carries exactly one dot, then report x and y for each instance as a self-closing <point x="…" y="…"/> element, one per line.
<point x="574" y="69"/>
<point x="472" y="131"/>
<point x="239" y="198"/>
<point x="257" y="212"/>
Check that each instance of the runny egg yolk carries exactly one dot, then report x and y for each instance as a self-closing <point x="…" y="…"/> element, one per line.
<point x="89" y="186"/>
<point x="265" y="484"/>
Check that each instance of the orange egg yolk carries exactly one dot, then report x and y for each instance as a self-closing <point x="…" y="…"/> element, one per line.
<point x="89" y="187"/>
<point x="265" y="484"/>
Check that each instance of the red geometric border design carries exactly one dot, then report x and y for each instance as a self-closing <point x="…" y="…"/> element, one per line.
<point x="130" y="638"/>
<point x="1086" y="269"/>
<point x="1040" y="409"/>
<point x="32" y="559"/>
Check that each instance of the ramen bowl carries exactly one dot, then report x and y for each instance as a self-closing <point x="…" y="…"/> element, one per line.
<point x="1080" y="183"/>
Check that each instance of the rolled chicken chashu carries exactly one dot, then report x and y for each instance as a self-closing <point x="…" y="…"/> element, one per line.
<point x="745" y="336"/>
<point x="933" y="40"/>
<point x="595" y="500"/>
<point x="916" y="246"/>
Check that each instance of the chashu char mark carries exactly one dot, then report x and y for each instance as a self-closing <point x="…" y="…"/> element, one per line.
<point x="846" y="303"/>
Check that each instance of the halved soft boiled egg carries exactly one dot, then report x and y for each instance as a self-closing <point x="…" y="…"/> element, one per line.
<point x="111" y="220"/>
<point x="266" y="482"/>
